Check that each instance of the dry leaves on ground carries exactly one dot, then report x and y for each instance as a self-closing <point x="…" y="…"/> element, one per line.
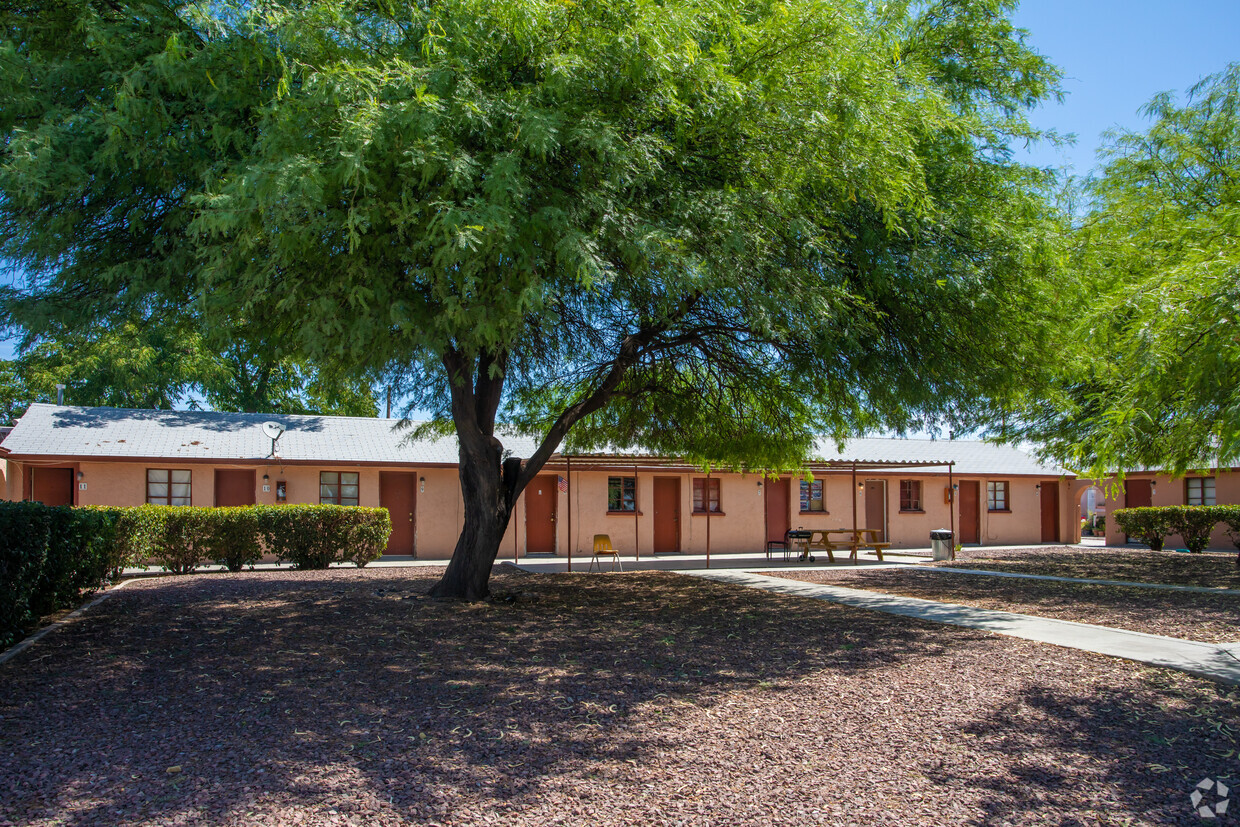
<point x="347" y="697"/>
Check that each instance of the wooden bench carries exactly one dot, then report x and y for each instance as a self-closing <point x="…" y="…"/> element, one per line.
<point x="854" y="540"/>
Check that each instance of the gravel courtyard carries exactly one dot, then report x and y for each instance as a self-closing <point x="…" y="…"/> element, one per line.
<point x="1211" y="618"/>
<point x="348" y="697"/>
<point x="1216" y="569"/>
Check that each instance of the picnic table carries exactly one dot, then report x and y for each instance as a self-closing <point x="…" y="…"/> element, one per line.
<point x="832" y="540"/>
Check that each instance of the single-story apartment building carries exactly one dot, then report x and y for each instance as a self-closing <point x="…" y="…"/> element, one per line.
<point x="905" y="488"/>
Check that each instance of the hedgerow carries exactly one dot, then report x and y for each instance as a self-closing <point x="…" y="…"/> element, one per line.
<point x="1194" y="524"/>
<point x="52" y="556"/>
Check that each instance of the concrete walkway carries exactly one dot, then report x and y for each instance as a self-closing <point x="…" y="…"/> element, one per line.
<point x="1220" y="662"/>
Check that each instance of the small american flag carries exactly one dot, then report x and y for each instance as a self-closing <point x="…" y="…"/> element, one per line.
<point x="561" y="484"/>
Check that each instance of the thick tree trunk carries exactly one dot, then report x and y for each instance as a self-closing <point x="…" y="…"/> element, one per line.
<point x="490" y="484"/>
<point x="485" y="488"/>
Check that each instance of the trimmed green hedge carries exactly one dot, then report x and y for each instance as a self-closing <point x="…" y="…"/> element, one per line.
<point x="1194" y="523"/>
<point x="181" y="538"/>
<point x="1149" y="525"/>
<point x="51" y="556"/>
<point x="315" y="536"/>
<point x="1230" y="517"/>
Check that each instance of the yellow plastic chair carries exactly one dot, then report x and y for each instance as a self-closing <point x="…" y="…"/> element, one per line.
<point x="604" y="548"/>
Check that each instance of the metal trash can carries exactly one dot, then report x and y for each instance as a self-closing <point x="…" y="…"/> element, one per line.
<point x="941" y="544"/>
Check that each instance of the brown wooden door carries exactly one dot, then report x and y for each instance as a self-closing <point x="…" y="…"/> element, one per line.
<point x="52" y="486"/>
<point x="234" y="486"/>
<point x="541" y="499"/>
<point x="775" y="504"/>
<point x="666" y="515"/>
<point x="1050" y="511"/>
<point x="970" y="512"/>
<point x="398" y="493"/>
<point x="1137" y="494"/>
<point x="876" y="507"/>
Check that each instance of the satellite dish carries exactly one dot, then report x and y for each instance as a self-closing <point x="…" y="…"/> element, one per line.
<point x="273" y="430"/>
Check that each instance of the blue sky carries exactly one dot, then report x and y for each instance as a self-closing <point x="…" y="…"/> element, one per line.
<point x="1116" y="54"/>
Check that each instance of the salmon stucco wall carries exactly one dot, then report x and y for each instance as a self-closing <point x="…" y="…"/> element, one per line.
<point x="1173" y="491"/>
<point x="738" y="528"/>
<point x="1022" y="524"/>
<point x="7" y="472"/>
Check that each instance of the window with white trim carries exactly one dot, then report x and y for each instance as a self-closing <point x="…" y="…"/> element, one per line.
<point x="1199" y="490"/>
<point x="165" y="486"/>
<point x="997" y="496"/>
<point x="338" y="488"/>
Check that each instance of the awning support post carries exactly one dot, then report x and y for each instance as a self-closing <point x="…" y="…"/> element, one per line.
<point x="568" y="483"/>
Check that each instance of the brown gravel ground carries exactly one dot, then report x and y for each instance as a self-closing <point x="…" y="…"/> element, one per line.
<point x="1217" y="569"/>
<point x="1214" y="618"/>
<point x="346" y="697"/>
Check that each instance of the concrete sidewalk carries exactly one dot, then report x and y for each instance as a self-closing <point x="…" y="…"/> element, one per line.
<point x="1219" y="662"/>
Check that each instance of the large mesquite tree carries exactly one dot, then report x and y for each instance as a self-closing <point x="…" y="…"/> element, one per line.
<point x="710" y="226"/>
<point x="1155" y="258"/>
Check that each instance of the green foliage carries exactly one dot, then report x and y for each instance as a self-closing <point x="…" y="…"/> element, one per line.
<point x="1229" y="515"/>
<point x="139" y="533"/>
<point x="158" y="364"/>
<point x="128" y="366"/>
<point x="1149" y="525"/>
<point x="714" y="229"/>
<point x="1157" y="260"/>
<point x="232" y="539"/>
<point x="181" y="546"/>
<point x="181" y="538"/>
<point x="49" y="558"/>
<point x="1194" y="524"/>
<point x="23" y="553"/>
<point x="315" y="536"/>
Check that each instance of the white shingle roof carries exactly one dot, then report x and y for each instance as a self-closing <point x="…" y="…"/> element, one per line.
<point x="63" y="431"/>
<point x="209" y="435"/>
<point x="970" y="456"/>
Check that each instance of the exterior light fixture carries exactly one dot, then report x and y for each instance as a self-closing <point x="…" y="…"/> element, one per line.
<point x="80" y="475"/>
<point x="422" y="485"/>
<point x="1038" y="488"/>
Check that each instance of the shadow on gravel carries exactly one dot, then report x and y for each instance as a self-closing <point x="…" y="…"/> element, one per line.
<point x="1156" y="754"/>
<point x="290" y="685"/>
<point x="1211" y="569"/>
<point x="351" y="693"/>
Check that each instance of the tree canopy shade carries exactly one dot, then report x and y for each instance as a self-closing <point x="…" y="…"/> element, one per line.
<point x="1157" y="262"/>
<point x="716" y="228"/>
<point x="140" y="363"/>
